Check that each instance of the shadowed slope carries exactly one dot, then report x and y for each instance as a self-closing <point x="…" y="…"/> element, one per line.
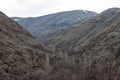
<point x="20" y="53"/>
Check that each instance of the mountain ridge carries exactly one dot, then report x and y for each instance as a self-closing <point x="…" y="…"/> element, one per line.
<point x="48" y="24"/>
<point x="81" y="31"/>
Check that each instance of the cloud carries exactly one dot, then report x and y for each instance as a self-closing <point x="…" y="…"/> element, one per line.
<point x="25" y="8"/>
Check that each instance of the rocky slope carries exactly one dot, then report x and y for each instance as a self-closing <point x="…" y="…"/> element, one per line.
<point x="20" y="53"/>
<point x="43" y="26"/>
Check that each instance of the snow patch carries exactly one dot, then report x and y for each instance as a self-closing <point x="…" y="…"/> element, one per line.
<point x="16" y="19"/>
<point x="85" y="11"/>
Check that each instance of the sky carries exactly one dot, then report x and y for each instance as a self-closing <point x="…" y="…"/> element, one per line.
<point x="34" y="8"/>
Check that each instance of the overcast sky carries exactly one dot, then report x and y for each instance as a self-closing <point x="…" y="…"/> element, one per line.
<point x="31" y="8"/>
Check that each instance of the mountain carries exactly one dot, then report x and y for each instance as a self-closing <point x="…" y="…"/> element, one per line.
<point x="73" y="37"/>
<point x="93" y="47"/>
<point x="89" y="50"/>
<point x="43" y="26"/>
<point x="20" y="53"/>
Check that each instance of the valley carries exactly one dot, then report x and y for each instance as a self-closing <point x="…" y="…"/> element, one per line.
<point x="72" y="45"/>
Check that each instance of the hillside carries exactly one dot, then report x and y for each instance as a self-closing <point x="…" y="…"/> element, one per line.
<point x="96" y="55"/>
<point x="43" y="26"/>
<point x="72" y="38"/>
<point x="20" y="53"/>
<point x="101" y="54"/>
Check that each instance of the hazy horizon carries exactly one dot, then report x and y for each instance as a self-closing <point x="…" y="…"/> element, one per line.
<point x="32" y="8"/>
